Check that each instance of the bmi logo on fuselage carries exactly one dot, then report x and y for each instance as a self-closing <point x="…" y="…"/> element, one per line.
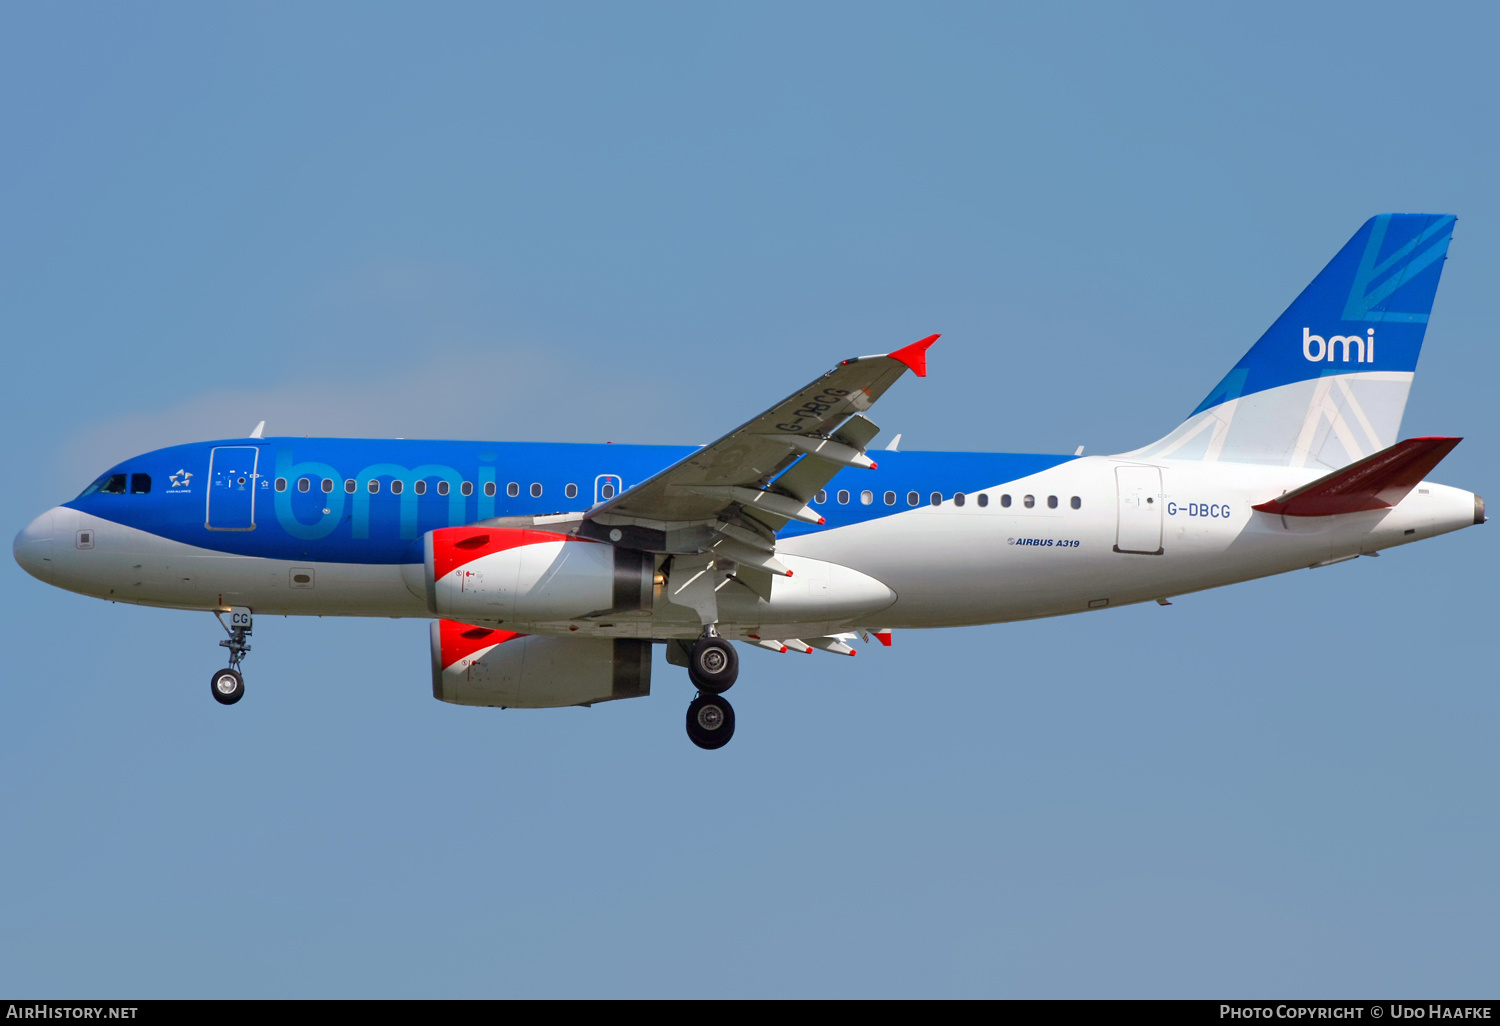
<point x="1317" y="350"/>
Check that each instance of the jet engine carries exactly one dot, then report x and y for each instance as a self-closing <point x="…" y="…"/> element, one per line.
<point x="530" y="576"/>
<point x="485" y="666"/>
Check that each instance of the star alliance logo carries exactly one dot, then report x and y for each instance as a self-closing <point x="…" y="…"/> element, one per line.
<point x="181" y="479"/>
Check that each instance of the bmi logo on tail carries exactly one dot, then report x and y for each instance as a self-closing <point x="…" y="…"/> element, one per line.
<point x="1325" y="350"/>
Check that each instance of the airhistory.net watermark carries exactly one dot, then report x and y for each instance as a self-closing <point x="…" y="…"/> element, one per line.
<point x="43" y="1010"/>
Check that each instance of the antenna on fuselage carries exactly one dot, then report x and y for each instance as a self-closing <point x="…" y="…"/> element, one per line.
<point x="258" y="429"/>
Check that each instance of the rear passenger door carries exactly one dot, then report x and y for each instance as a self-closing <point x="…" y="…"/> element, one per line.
<point x="1140" y="510"/>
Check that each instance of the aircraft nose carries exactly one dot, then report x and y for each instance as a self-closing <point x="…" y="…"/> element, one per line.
<point x="33" y="546"/>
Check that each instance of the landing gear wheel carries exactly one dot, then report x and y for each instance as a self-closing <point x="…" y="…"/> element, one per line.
<point x="710" y="721"/>
<point x="713" y="665"/>
<point x="228" y="686"/>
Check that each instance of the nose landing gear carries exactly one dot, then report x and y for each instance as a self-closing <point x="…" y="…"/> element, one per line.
<point x="228" y="685"/>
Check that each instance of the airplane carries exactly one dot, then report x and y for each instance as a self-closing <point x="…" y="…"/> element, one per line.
<point x="550" y="571"/>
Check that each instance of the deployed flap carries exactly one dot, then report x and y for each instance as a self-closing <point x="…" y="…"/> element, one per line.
<point x="1375" y="482"/>
<point x="721" y="475"/>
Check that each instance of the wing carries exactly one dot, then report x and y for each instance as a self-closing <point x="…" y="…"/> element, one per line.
<point x="753" y="481"/>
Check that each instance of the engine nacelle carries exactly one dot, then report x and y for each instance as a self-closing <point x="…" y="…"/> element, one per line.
<point x="529" y="576"/>
<point x="484" y="666"/>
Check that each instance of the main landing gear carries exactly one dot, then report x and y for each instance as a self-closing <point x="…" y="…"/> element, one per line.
<point x="228" y="684"/>
<point x="713" y="666"/>
<point x="710" y="721"/>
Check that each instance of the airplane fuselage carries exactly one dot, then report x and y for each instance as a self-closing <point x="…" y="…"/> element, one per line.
<point x="329" y="527"/>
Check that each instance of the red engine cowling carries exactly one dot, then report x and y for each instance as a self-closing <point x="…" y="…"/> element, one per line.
<point x="528" y="576"/>
<point x="485" y="666"/>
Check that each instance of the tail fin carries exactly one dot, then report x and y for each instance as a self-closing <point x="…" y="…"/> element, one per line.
<point x="1326" y="385"/>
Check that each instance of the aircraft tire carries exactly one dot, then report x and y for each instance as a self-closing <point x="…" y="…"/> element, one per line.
<point x="713" y="665"/>
<point x="710" y="721"/>
<point x="228" y="686"/>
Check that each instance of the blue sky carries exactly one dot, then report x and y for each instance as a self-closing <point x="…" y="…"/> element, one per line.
<point x="645" y="223"/>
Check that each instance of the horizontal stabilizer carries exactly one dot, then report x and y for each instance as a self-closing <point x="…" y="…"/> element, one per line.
<point x="1375" y="482"/>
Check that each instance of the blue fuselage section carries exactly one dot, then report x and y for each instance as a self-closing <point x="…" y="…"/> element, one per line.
<point x="343" y="500"/>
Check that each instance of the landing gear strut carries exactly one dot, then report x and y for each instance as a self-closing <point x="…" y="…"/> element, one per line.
<point x="228" y="685"/>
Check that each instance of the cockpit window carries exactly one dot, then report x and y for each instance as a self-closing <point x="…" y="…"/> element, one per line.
<point x="109" y="484"/>
<point x="140" y="484"/>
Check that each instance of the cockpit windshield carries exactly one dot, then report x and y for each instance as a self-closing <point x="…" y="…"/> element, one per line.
<point x="109" y="484"/>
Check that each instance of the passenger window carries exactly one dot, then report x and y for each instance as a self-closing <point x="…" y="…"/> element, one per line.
<point x="420" y="487"/>
<point x="489" y="489"/>
<point x="1005" y="501"/>
<point x="512" y="489"/>
<point x="821" y="497"/>
<point x="281" y="484"/>
<point x="467" y="488"/>
<point x="442" y="487"/>
<point x="912" y="498"/>
<point x="536" y="490"/>
<point x="140" y="484"/>
<point x="396" y="486"/>
<point x="303" y="484"/>
<point x="571" y="491"/>
<point x="984" y="498"/>
<point x="866" y="497"/>
<point x="327" y="484"/>
<point x="843" y="497"/>
<point x="890" y="498"/>
<point x="1051" y="502"/>
<point x="374" y="486"/>
<point x="606" y="490"/>
<point x="958" y="498"/>
<point x="115" y="485"/>
<point x="936" y="498"/>
<point x="349" y="485"/>
<point x="1029" y="501"/>
<point x="1076" y="502"/>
